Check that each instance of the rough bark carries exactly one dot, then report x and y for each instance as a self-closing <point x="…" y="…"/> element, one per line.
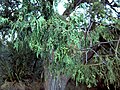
<point x="55" y="83"/>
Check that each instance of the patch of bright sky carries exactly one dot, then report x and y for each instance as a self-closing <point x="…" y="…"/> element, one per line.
<point x="1" y="7"/>
<point x="61" y="7"/>
<point x="110" y="1"/>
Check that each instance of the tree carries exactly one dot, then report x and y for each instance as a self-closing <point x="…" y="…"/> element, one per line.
<point x="82" y="46"/>
<point x="17" y="61"/>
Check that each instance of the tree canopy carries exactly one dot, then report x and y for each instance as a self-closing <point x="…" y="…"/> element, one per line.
<point x="80" y="45"/>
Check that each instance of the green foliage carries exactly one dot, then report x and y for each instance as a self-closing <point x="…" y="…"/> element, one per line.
<point x="63" y="43"/>
<point x="3" y="20"/>
<point x="61" y="39"/>
<point x="17" y="65"/>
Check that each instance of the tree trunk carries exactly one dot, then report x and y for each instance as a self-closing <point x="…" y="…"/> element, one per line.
<point x="55" y="83"/>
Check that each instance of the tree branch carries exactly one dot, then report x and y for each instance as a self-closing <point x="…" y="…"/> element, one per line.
<point x="72" y="7"/>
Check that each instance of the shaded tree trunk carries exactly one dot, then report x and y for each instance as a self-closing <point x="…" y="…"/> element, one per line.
<point x="55" y="83"/>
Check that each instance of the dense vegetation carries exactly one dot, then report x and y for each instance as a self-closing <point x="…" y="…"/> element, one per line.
<point x="84" y="46"/>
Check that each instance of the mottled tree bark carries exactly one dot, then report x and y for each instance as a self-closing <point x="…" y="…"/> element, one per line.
<point x="55" y="83"/>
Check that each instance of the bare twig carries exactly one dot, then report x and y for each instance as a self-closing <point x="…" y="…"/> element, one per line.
<point x="86" y="57"/>
<point x="98" y="44"/>
<point x="116" y="53"/>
